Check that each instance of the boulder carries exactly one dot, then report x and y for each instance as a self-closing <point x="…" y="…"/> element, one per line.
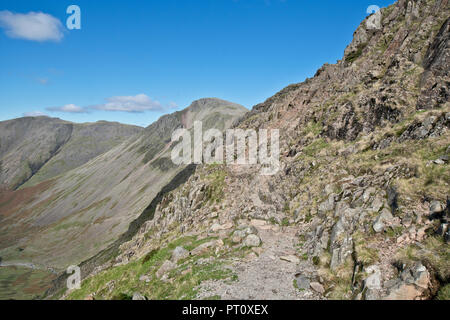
<point x="242" y="232"/>
<point x="166" y="267"/>
<point x="179" y="253"/>
<point x="138" y="296"/>
<point x="377" y="204"/>
<point x="317" y="287"/>
<point x="384" y="217"/>
<point x="219" y="227"/>
<point x="436" y="206"/>
<point x="302" y="282"/>
<point x="327" y="205"/>
<point x="413" y="283"/>
<point x="372" y="284"/>
<point x="203" y="247"/>
<point x="252" y="240"/>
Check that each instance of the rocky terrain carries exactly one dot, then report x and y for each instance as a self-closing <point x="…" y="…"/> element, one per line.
<point x="359" y="209"/>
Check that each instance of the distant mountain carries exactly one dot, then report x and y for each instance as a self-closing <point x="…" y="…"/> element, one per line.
<point x="35" y="149"/>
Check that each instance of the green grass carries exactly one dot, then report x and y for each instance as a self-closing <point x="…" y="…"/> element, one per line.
<point x="315" y="147"/>
<point x="353" y="56"/>
<point x="314" y="128"/>
<point x="444" y="293"/>
<point x="364" y="254"/>
<point x="183" y="279"/>
<point x="434" y="251"/>
<point x="215" y="190"/>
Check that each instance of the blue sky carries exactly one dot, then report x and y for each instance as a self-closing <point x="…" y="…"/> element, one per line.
<point x="156" y="57"/>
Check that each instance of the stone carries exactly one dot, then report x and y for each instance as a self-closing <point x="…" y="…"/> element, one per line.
<point x="436" y="206"/>
<point x="258" y="222"/>
<point x="407" y="221"/>
<point x="290" y="258"/>
<point x="252" y="240"/>
<point x="219" y="227"/>
<point x="179" y="253"/>
<point x="238" y="235"/>
<point x="444" y="158"/>
<point x="248" y="229"/>
<point x="138" y="296"/>
<point x="144" y="278"/>
<point x="317" y="287"/>
<point x="328" y="189"/>
<point x="203" y="247"/>
<point x="379" y="224"/>
<point x="339" y="255"/>
<point x="377" y="204"/>
<point x="421" y="276"/>
<point x="302" y="282"/>
<point x="327" y="205"/>
<point x="166" y="267"/>
<point x="368" y="193"/>
<point x="373" y="281"/>
<point x="421" y="234"/>
<point x="411" y="284"/>
<point x="403" y="291"/>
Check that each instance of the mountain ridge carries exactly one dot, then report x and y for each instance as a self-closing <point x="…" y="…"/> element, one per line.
<point x="31" y="145"/>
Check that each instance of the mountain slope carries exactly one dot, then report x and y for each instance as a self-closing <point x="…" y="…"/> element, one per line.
<point x="35" y="149"/>
<point x="358" y="210"/>
<point x="74" y="216"/>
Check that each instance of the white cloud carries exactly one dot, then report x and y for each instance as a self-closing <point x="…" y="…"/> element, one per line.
<point x="138" y="103"/>
<point x="133" y="104"/>
<point x="69" y="108"/>
<point x="35" y="26"/>
<point x="34" y="114"/>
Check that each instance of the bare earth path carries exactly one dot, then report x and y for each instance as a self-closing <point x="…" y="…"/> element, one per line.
<point x="269" y="275"/>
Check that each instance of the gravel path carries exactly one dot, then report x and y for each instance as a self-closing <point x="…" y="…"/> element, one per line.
<point x="267" y="276"/>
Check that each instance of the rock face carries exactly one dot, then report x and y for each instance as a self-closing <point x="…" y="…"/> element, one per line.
<point x="435" y="80"/>
<point x="412" y="284"/>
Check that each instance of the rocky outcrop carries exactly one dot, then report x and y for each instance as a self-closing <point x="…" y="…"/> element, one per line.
<point x="435" y="81"/>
